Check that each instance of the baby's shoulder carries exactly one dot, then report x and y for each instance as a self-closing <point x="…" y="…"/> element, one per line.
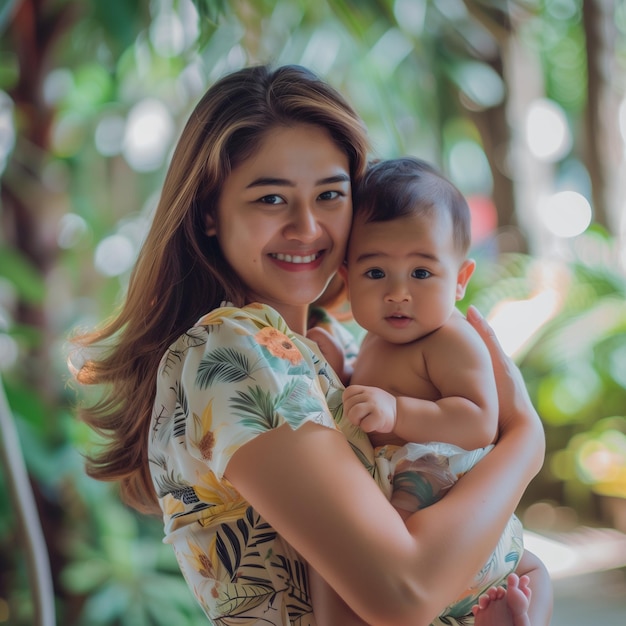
<point x="456" y="333"/>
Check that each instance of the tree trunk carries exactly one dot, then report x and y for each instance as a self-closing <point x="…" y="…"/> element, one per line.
<point x="603" y="147"/>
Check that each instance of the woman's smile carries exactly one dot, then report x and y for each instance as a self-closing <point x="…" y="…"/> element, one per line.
<point x="298" y="262"/>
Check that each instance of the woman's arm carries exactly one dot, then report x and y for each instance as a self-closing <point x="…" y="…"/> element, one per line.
<point x="310" y="486"/>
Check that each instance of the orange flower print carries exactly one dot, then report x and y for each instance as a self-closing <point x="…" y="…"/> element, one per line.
<point x="206" y="445"/>
<point x="278" y="344"/>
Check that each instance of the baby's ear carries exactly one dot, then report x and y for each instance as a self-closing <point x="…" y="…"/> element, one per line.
<point x="463" y="277"/>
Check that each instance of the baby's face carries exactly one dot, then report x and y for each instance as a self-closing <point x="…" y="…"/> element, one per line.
<point x="404" y="275"/>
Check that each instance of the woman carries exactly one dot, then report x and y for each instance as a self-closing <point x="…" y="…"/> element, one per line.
<point x="232" y="432"/>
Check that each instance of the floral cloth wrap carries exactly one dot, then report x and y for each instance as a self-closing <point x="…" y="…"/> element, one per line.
<point x="415" y="476"/>
<point x="238" y="373"/>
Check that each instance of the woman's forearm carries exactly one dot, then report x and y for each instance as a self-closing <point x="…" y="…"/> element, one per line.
<point x="469" y="520"/>
<point x="309" y="485"/>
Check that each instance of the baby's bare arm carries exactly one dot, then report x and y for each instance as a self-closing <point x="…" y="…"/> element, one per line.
<point x="391" y="572"/>
<point x="462" y="405"/>
<point x="466" y="414"/>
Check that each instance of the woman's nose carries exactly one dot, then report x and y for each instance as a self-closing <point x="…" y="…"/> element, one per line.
<point x="303" y="224"/>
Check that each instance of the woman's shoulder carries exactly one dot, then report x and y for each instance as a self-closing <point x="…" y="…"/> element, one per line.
<point x="255" y="314"/>
<point x="228" y="334"/>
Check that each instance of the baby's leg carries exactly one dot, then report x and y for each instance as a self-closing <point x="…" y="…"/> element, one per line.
<point x="542" y="602"/>
<point x="527" y="600"/>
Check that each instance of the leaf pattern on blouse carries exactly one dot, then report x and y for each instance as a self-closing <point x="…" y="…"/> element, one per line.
<point x="237" y="373"/>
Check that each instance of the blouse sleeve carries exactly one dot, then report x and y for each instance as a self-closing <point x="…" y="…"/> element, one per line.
<point x="236" y="374"/>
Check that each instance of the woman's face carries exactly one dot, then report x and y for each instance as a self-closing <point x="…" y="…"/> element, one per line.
<point x="283" y="218"/>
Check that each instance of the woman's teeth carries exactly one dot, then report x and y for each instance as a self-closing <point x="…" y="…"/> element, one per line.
<point x="288" y="258"/>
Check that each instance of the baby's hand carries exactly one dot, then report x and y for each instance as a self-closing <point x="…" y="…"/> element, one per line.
<point x="371" y="408"/>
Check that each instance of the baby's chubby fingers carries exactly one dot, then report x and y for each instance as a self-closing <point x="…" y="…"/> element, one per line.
<point x="352" y="393"/>
<point x="355" y="404"/>
<point x="371" y="408"/>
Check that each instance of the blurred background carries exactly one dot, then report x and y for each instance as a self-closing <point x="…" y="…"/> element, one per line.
<point x="520" y="102"/>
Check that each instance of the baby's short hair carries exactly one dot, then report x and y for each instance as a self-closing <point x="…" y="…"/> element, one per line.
<point x="396" y="188"/>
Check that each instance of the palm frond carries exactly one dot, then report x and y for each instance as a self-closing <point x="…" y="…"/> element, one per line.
<point x="181" y="411"/>
<point x="296" y="401"/>
<point x="256" y="408"/>
<point x="225" y="365"/>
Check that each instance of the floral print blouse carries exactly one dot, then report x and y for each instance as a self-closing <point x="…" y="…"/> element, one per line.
<point x="237" y="373"/>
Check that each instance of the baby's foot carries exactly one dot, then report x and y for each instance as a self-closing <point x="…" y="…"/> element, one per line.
<point x="504" y="607"/>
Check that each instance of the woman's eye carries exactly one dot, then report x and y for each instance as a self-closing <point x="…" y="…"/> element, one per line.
<point x="421" y="273"/>
<point x="271" y="199"/>
<point x="375" y="274"/>
<point x="330" y="195"/>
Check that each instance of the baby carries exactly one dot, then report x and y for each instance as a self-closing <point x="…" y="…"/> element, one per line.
<point x="422" y="385"/>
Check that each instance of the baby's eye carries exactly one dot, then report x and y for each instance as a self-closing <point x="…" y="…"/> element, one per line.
<point x="421" y="273"/>
<point x="271" y="199"/>
<point x="330" y="195"/>
<point x="375" y="274"/>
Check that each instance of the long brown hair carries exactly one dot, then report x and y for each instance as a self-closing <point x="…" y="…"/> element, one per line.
<point x="180" y="273"/>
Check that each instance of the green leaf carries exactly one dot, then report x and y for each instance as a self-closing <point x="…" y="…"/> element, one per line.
<point x="209" y="12"/>
<point x="6" y="10"/>
<point x="121" y="20"/>
<point x="211" y="9"/>
<point x="83" y="577"/>
<point x="9" y="69"/>
<point x="19" y="270"/>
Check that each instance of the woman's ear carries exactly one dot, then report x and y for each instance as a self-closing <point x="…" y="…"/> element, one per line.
<point x="343" y="272"/>
<point x="463" y="277"/>
<point x="210" y="226"/>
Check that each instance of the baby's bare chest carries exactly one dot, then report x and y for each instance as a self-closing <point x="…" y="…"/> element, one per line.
<point x="399" y="369"/>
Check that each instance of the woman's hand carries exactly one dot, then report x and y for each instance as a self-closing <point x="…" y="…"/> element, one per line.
<point x="516" y="408"/>
<point x="391" y="571"/>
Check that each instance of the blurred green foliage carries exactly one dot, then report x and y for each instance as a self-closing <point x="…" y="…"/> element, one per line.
<point x="427" y="76"/>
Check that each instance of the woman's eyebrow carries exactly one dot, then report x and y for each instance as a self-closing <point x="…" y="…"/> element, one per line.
<point x="262" y="182"/>
<point x="338" y="178"/>
<point x="284" y="182"/>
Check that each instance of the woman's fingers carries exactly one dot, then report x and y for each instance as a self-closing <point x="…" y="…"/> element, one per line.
<point x="513" y="396"/>
<point x="480" y="324"/>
